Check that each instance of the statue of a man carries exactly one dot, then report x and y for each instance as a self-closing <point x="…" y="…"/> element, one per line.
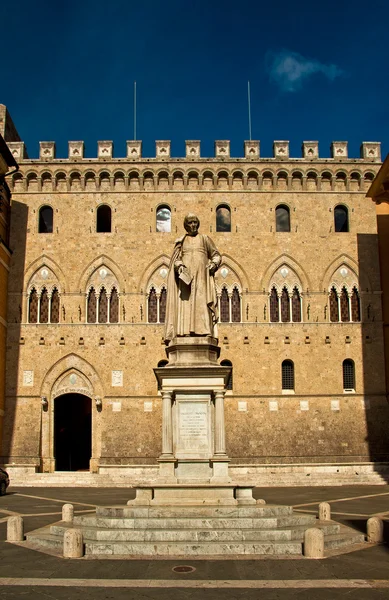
<point x="191" y="295"/>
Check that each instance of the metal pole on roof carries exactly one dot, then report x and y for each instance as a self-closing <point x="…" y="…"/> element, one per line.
<point x="249" y="107"/>
<point x="134" y="110"/>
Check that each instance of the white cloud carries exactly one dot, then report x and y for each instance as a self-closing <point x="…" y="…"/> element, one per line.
<point x="289" y="70"/>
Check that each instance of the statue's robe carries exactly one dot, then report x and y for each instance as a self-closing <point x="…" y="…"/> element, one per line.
<point x="192" y="309"/>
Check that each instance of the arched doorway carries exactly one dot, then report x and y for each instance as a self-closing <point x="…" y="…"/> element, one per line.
<point x="72" y="432"/>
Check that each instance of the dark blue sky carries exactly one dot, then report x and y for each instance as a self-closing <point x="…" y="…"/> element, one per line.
<point x="318" y="71"/>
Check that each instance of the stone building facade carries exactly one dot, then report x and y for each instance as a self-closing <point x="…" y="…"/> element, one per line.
<point x="299" y="297"/>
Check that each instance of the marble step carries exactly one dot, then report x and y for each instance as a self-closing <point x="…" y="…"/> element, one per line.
<point x="194" y="511"/>
<point x="192" y="549"/>
<point x="343" y="539"/>
<point x="192" y="535"/>
<point x="193" y="523"/>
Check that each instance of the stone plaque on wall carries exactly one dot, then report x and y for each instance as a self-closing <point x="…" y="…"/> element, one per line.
<point x="117" y="378"/>
<point x="193" y="427"/>
<point x="28" y="378"/>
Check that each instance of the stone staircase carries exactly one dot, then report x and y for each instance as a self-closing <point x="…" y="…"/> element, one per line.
<point x="196" y="531"/>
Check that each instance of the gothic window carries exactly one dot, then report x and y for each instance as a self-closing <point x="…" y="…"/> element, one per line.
<point x="162" y="305"/>
<point x="274" y="309"/>
<point x="103" y="219"/>
<point x="344" y="306"/>
<point x="355" y="306"/>
<point x="152" y="307"/>
<point x="163" y="219"/>
<point x="341" y="219"/>
<point x="54" y="308"/>
<point x="45" y="224"/>
<point x="33" y="307"/>
<point x="44" y="307"/>
<point x="235" y="306"/>
<point x="224" y="306"/>
<point x="296" y="306"/>
<point x="91" y="306"/>
<point x="223" y="218"/>
<point x="287" y="375"/>
<point x="103" y="306"/>
<point x="228" y="363"/>
<point x="334" y="306"/>
<point x="285" y="311"/>
<point x="282" y="218"/>
<point x="114" y="307"/>
<point x="348" y="375"/>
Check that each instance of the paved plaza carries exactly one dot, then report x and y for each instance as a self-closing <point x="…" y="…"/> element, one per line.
<point x="27" y="574"/>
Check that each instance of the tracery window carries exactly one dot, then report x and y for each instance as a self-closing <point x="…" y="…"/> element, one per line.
<point x="230" y="306"/>
<point x="33" y="307"/>
<point x="91" y="306"/>
<point x="296" y="306"/>
<point x="344" y="307"/>
<point x="355" y="306"/>
<point x="285" y="310"/>
<point x="286" y="307"/>
<point x="45" y="224"/>
<point x="44" y="307"/>
<point x="334" y="306"/>
<point x="156" y="305"/>
<point x="287" y="377"/>
<point x="103" y="306"/>
<point x="223" y="218"/>
<point x="54" y="307"/>
<point x="274" y="309"/>
<point x="348" y="375"/>
<point x="224" y="306"/>
<point x="235" y="306"/>
<point x="114" y="307"/>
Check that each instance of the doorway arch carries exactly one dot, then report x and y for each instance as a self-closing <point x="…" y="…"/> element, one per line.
<point x="72" y="432"/>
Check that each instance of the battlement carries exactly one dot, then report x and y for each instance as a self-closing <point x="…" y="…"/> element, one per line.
<point x="369" y="152"/>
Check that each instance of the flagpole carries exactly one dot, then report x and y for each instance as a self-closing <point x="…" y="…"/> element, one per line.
<point x="134" y="110"/>
<point x="249" y="107"/>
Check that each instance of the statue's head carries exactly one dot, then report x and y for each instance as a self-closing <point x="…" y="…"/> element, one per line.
<point x="191" y="224"/>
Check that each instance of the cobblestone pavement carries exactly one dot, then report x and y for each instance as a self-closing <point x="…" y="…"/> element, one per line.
<point x="26" y="574"/>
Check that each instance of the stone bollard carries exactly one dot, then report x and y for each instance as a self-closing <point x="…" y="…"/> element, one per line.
<point x="324" y="511"/>
<point x="67" y="513"/>
<point x="314" y="543"/>
<point x="375" y="530"/>
<point x="73" y="545"/>
<point x="15" y="529"/>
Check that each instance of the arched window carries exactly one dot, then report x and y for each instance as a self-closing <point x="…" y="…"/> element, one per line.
<point x="91" y="306"/>
<point x="344" y="306"/>
<point x="103" y="306"/>
<point x="296" y="306"/>
<point x="285" y="308"/>
<point x="152" y="307"/>
<point x="348" y="375"/>
<point x="235" y="306"/>
<point x="287" y="375"/>
<point x="44" y="307"/>
<point x="282" y="218"/>
<point x="341" y="219"/>
<point x="224" y="306"/>
<point x="334" y="306"/>
<point x="54" y="308"/>
<point x="223" y="218"/>
<point x="228" y="363"/>
<point x="355" y="306"/>
<point x="274" y="308"/>
<point x="114" y="306"/>
<point x="163" y="219"/>
<point x="103" y="219"/>
<point x="33" y="307"/>
<point x="45" y="220"/>
<point x="162" y="305"/>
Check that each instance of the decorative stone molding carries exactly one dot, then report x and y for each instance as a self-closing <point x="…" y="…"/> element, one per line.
<point x="371" y="151"/>
<point x="222" y="149"/>
<point x="134" y="149"/>
<point x="104" y="150"/>
<point x="192" y="149"/>
<point x="251" y="149"/>
<point x="46" y="150"/>
<point x="18" y="150"/>
<point x="310" y="150"/>
<point x="76" y="150"/>
<point x="162" y="149"/>
<point x="281" y="149"/>
<point x="339" y="150"/>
